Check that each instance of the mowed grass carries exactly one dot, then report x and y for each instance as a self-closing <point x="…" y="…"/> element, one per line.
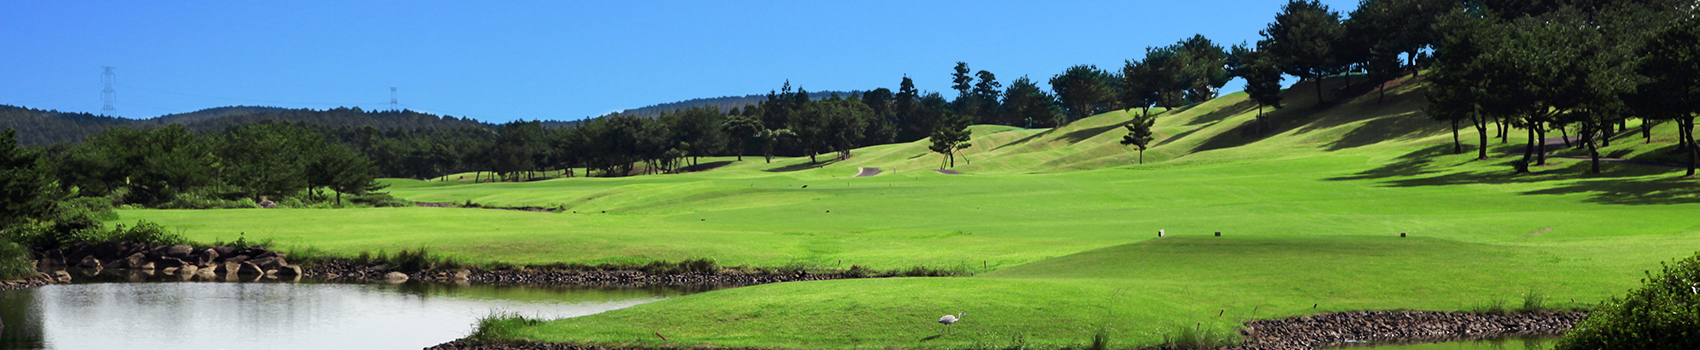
<point x="1066" y="244"/>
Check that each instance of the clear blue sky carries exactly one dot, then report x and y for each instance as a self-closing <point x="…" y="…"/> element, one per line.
<point x="501" y="60"/>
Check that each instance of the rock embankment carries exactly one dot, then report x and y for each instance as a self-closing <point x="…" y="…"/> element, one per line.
<point x="349" y="271"/>
<point x="1334" y="329"/>
<point x="39" y="279"/>
<point x="1298" y="333"/>
<point x="172" y="259"/>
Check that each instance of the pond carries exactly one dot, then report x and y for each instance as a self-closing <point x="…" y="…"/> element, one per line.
<point x="1486" y="344"/>
<point x="103" y="313"/>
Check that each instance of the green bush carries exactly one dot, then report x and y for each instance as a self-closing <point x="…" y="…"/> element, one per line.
<point x="201" y="200"/>
<point x="14" y="261"/>
<point x="379" y="200"/>
<point x="1663" y="314"/>
<point x="143" y="232"/>
<point x="500" y="326"/>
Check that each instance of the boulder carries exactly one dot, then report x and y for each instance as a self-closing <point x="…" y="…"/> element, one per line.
<point x="288" y="271"/>
<point x="149" y="266"/>
<point x="462" y="275"/>
<point x="89" y="261"/>
<point x="179" y="251"/>
<point x="110" y="250"/>
<point x="395" y="277"/>
<point x="236" y="259"/>
<point x="223" y="250"/>
<point x="189" y="270"/>
<point x="250" y="269"/>
<point x="135" y="261"/>
<point x="206" y="257"/>
<point x="53" y="258"/>
<point x="228" y="267"/>
<point x="165" y="262"/>
<point x="169" y="271"/>
<point x="270" y="263"/>
<point x="62" y="276"/>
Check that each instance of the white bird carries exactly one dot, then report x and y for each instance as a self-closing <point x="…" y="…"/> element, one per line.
<point x="948" y="320"/>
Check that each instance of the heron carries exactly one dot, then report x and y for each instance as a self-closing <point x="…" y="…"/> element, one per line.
<point x="948" y="320"/>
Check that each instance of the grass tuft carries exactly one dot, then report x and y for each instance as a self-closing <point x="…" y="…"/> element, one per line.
<point x="499" y="326"/>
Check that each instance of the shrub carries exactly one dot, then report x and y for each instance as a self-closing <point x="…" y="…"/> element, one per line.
<point x="1534" y="301"/>
<point x="499" y="326"/>
<point x="14" y="261"/>
<point x="1663" y="314"/>
<point x="379" y="200"/>
<point x="143" y="232"/>
<point x="202" y="200"/>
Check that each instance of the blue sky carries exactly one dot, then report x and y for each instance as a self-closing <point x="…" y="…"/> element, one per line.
<point x="504" y="60"/>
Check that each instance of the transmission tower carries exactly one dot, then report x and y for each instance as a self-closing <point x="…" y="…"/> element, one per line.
<point x="392" y="100"/>
<point x="107" y="95"/>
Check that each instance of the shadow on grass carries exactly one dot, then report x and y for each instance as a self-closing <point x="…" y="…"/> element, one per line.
<point x="1223" y="113"/>
<point x="803" y="166"/>
<point x="705" y="166"/>
<point x="1621" y="184"/>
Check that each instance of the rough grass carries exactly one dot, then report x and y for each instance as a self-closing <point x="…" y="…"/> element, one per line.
<point x="1060" y="233"/>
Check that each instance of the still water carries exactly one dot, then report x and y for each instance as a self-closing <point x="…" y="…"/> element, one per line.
<point x="1489" y="344"/>
<point x="260" y="315"/>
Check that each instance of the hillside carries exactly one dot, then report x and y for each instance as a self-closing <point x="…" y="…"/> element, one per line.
<point x="1058" y="229"/>
<point x="39" y="127"/>
<point x="724" y="103"/>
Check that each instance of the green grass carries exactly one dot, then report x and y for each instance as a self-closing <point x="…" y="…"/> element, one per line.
<point x="1062" y="231"/>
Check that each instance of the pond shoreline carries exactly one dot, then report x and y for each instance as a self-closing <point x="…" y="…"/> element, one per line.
<point x="1321" y="331"/>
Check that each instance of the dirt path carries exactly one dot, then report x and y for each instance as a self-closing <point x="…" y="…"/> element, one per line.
<point x="868" y="172"/>
<point x="948" y="171"/>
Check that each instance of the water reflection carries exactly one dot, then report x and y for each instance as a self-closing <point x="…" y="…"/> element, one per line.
<point x="212" y="315"/>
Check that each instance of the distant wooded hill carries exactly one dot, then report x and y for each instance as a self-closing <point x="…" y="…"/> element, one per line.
<point x="725" y="103"/>
<point x="39" y="127"/>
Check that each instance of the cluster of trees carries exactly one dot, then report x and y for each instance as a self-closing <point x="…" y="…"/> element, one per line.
<point x="152" y="167"/>
<point x="1588" y="65"/>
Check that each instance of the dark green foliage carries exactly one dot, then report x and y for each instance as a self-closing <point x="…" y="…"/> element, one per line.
<point x="1663" y="314"/>
<point x="1025" y="104"/>
<point x="142" y="232"/>
<point x="1672" y="66"/>
<point x="1302" y="39"/>
<point x="1197" y="337"/>
<point x="25" y="185"/>
<point x="1081" y="90"/>
<point x="14" y="261"/>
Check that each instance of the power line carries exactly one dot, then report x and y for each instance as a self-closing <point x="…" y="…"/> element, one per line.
<point x="392" y="99"/>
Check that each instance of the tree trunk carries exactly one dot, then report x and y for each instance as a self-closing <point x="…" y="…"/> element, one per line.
<point x="339" y="198"/>
<point x="1528" y="152"/>
<point x="1605" y="136"/>
<point x="1564" y="134"/>
<point x="1482" y="132"/>
<point x="1504" y="131"/>
<point x="1647" y="130"/>
<point x="1457" y="146"/>
<point x="1142" y="155"/>
<point x="1541" y="142"/>
<point x="1687" y="125"/>
<point x="1593" y="152"/>
<point x="1319" y="90"/>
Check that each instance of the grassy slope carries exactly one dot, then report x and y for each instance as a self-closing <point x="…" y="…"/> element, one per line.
<point x="1309" y="211"/>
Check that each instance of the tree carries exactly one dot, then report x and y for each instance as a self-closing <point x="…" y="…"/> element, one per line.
<point x="25" y="185"/>
<point x="1671" y="67"/>
<point x="741" y="128"/>
<point x="950" y="137"/>
<point x="1203" y="68"/>
<point x="986" y="94"/>
<point x="1139" y="134"/>
<point x="962" y="82"/>
<point x="267" y="159"/>
<point x="1263" y="80"/>
<point x="1456" y="89"/>
<point x="1302" y="38"/>
<point x="1080" y="88"/>
<point x="1025" y="102"/>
